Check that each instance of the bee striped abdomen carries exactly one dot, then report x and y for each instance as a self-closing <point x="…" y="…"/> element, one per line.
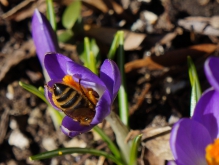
<point x="68" y="98"/>
<point x="76" y="101"/>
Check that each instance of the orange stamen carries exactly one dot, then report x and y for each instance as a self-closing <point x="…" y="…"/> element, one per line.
<point x="70" y="81"/>
<point x="212" y="153"/>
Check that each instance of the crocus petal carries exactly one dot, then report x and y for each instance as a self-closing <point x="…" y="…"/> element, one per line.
<point x="44" y="38"/>
<point x="172" y="162"/>
<point x="83" y="73"/>
<point x="211" y="70"/>
<point x="110" y="75"/>
<point x="188" y="141"/>
<point x="72" y="128"/>
<point x="207" y="112"/>
<point x="103" y="108"/>
<point x="55" y="65"/>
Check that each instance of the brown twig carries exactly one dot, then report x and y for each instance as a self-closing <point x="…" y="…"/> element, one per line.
<point x="140" y="99"/>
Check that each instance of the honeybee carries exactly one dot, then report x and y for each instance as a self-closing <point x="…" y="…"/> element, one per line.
<point x="74" y="100"/>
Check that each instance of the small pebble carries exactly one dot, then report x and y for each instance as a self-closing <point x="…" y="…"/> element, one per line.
<point x="49" y="144"/>
<point x="10" y="92"/>
<point x="18" y="139"/>
<point x="75" y="143"/>
<point x="13" y="124"/>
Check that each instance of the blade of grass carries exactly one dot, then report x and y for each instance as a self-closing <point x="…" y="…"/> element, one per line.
<point x="33" y="90"/>
<point x="64" y="151"/>
<point x="65" y="36"/>
<point x="51" y="14"/>
<point x="92" y="63"/>
<point x="87" y="51"/>
<point x="193" y="101"/>
<point x="109" y="142"/>
<point x="134" y="150"/>
<point x="122" y="94"/>
<point x="113" y="47"/>
<point x="95" y="49"/>
<point x="196" y="88"/>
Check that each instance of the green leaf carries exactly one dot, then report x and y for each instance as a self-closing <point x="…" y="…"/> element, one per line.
<point x="96" y="51"/>
<point x="64" y="151"/>
<point x="51" y="14"/>
<point x="65" y="36"/>
<point x="134" y="150"/>
<point x="41" y="89"/>
<point x="87" y="52"/>
<point x="122" y="94"/>
<point x="113" y="47"/>
<point x="71" y="14"/>
<point x="94" y="48"/>
<point x="92" y="63"/>
<point x="109" y="142"/>
<point x="193" y="101"/>
<point x="33" y="90"/>
<point x="196" y="88"/>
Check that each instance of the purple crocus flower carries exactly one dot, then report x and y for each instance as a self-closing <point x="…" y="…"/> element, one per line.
<point x="97" y="92"/>
<point x="60" y="69"/>
<point x="195" y="141"/>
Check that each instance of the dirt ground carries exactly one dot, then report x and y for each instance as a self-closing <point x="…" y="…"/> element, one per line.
<point x="159" y="35"/>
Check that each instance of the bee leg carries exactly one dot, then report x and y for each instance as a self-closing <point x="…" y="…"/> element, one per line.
<point x="93" y="92"/>
<point x="90" y="92"/>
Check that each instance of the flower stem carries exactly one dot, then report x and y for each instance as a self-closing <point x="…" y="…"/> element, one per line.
<point x="121" y="131"/>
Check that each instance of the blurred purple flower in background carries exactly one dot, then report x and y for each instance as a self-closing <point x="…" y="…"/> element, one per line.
<point x="63" y="70"/>
<point x="195" y="141"/>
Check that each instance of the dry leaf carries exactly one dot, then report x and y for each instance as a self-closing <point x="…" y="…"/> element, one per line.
<point x="157" y="141"/>
<point x="171" y="58"/>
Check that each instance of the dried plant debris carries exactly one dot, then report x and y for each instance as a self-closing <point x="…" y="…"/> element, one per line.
<point x="201" y="25"/>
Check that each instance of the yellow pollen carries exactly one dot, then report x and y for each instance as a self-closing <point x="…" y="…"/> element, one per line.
<point x="60" y="153"/>
<point x="212" y="153"/>
<point x="70" y="81"/>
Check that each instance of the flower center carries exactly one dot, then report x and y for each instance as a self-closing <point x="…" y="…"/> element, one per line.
<point x="212" y="153"/>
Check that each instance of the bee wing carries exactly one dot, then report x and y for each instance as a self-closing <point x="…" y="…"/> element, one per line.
<point x="82" y="115"/>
